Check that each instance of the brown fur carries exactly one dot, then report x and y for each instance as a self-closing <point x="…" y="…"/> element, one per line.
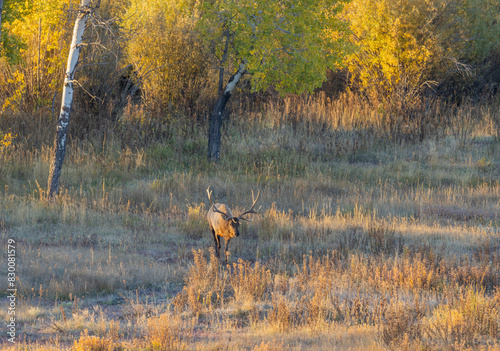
<point x="223" y="224"/>
<point x="222" y="228"/>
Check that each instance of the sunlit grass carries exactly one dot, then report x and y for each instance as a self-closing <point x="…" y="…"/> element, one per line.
<point x="362" y="242"/>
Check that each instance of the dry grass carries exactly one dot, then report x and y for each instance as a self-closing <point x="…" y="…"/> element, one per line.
<point x="362" y="242"/>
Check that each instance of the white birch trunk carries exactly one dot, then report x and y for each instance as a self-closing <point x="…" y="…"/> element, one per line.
<point x="67" y="99"/>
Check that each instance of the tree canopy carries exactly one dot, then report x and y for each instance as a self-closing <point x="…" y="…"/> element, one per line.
<point x="179" y="50"/>
<point x="410" y="42"/>
<point x="285" y="44"/>
<point x="34" y="37"/>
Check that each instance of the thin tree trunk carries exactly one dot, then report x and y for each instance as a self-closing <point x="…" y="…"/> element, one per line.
<point x="1" y="8"/>
<point x="215" y="122"/>
<point x="67" y="99"/>
<point x="222" y="62"/>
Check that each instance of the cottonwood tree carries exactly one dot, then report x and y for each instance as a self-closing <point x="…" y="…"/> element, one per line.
<point x="84" y="11"/>
<point x="286" y="44"/>
<point x="164" y="48"/>
<point x="402" y="45"/>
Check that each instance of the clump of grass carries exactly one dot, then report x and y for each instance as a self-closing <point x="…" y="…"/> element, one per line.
<point x="382" y="239"/>
<point x="168" y="332"/>
<point x="88" y="342"/>
<point x="401" y="323"/>
<point x="249" y="283"/>
<point x="269" y="346"/>
<point x="195" y="225"/>
<point x="273" y="224"/>
<point x="318" y="310"/>
<point x="206" y="284"/>
<point x="280" y="318"/>
<point x="470" y="318"/>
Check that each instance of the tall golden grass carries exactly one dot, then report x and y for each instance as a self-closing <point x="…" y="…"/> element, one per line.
<point x="367" y="238"/>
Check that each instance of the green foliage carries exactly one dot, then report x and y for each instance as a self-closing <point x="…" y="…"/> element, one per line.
<point x="470" y="29"/>
<point x="285" y="44"/>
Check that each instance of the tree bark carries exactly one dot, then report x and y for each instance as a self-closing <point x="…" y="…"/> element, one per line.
<point x="1" y="8"/>
<point x="67" y="99"/>
<point x="215" y="122"/>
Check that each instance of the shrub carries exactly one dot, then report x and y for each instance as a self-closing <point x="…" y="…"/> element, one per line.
<point x="5" y="141"/>
<point x="471" y="317"/>
<point x="249" y="283"/>
<point x="206" y="284"/>
<point x="401" y="324"/>
<point x="87" y="342"/>
<point x="168" y="333"/>
<point x="195" y="226"/>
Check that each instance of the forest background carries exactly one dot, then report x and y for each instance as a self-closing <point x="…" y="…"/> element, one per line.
<point x="370" y="127"/>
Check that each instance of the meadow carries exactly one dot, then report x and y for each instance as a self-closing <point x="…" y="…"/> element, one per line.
<point x="367" y="239"/>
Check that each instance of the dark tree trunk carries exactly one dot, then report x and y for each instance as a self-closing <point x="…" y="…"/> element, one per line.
<point x="214" y="131"/>
<point x="215" y="122"/>
<point x="1" y="6"/>
<point x="60" y="149"/>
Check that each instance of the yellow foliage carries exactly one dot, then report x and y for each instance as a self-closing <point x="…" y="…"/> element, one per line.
<point x="19" y="88"/>
<point x="402" y="45"/>
<point x="269" y="346"/>
<point x="165" y="49"/>
<point x="466" y="320"/>
<point x="280" y="317"/>
<point x="249" y="282"/>
<point x="195" y="226"/>
<point x="5" y="141"/>
<point x="394" y="42"/>
<point x="42" y="30"/>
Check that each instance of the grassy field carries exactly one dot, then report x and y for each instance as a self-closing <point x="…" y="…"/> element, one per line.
<point x="364" y="242"/>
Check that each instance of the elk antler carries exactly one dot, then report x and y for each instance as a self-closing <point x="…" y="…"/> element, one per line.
<point x="251" y="210"/>
<point x="227" y="217"/>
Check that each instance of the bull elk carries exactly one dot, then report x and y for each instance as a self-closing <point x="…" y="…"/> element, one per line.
<point x="223" y="224"/>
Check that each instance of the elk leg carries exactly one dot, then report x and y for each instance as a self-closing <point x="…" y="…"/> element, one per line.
<point x="218" y="246"/>
<point x="226" y="251"/>
<point x="217" y="242"/>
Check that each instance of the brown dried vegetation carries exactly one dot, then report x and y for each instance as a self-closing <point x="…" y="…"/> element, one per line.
<point x="380" y="244"/>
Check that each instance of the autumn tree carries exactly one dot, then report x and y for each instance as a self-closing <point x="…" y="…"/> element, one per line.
<point x="409" y="52"/>
<point x="84" y="11"/>
<point x="165" y="49"/>
<point x="285" y="44"/>
<point x="469" y="40"/>
<point x="35" y="37"/>
<point x="406" y="45"/>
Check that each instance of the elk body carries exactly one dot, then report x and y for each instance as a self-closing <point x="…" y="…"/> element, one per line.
<point x="223" y="224"/>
